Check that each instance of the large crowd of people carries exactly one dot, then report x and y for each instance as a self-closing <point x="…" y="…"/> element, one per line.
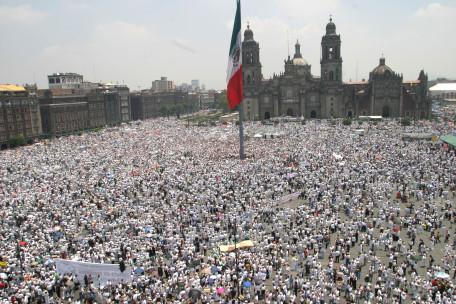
<point x="373" y="219"/>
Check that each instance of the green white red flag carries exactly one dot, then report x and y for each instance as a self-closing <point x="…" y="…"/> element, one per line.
<point x="234" y="73"/>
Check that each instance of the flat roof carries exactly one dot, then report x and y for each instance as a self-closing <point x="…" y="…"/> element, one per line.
<point x="444" y="87"/>
<point x="11" y="88"/>
<point x="64" y="74"/>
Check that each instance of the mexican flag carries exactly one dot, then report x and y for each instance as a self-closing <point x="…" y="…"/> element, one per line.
<point x="234" y="73"/>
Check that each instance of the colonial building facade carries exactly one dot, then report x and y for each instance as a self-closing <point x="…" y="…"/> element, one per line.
<point x="19" y="114"/>
<point x="66" y="111"/>
<point x="296" y="92"/>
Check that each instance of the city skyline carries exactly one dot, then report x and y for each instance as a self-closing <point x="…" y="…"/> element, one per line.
<point x="144" y="40"/>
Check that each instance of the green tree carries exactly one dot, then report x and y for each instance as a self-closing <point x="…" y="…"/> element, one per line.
<point x="347" y="122"/>
<point x="16" y="141"/>
<point x="406" y="121"/>
<point x="164" y="110"/>
<point x="222" y="102"/>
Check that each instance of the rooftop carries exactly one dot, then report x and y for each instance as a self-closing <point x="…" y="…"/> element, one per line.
<point x="356" y="82"/>
<point x="11" y="88"/>
<point x="65" y="74"/>
<point x="411" y="82"/>
<point x="444" y="87"/>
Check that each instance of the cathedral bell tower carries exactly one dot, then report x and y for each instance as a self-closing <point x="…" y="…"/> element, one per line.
<point x="331" y="60"/>
<point x="251" y="60"/>
<point x="251" y="70"/>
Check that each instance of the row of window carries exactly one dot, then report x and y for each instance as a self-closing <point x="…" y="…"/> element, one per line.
<point x="64" y="80"/>
<point x="18" y="102"/>
<point x="447" y="95"/>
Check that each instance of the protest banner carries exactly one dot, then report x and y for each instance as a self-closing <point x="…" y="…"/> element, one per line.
<point x="101" y="273"/>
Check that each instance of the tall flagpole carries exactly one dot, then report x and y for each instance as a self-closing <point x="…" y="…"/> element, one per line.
<point x="241" y="110"/>
<point x="235" y="88"/>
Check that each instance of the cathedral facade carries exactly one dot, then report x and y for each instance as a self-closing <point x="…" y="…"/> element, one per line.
<point x="296" y="92"/>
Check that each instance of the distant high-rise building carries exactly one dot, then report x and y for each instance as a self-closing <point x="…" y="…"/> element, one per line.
<point x="195" y="85"/>
<point x="184" y="87"/>
<point x="162" y="85"/>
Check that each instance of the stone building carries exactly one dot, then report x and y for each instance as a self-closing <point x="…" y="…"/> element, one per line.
<point x="147" y="105"/>
<point x="443" y="91"/>
<point x="163" y="85"/>
<point x="296" y="92"/>
<point x="125" y="105"/>
<point x="96" y="108"/>
<point x="64" y="114"/>
<point x="19" y="114"/>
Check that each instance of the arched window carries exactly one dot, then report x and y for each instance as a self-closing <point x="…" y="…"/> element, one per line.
<point x="267" y="115"/>
<point x="337" y="74"/>
<point x="331" y="75"/>
<point x="313" y="114"/>
<point x="249" y="79"/>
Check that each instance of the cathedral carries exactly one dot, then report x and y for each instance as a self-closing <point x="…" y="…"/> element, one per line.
<point x="297" y="93"/>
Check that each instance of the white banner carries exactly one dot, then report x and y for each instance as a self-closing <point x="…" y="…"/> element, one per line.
<point x="101" y="273"/>
<point x="289" y="198"/>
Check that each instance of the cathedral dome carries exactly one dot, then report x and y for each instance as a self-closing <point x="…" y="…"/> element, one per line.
<point x="299" y="61"/>
<point x="248" y="34"/>
<point x="330" y="28"/>
<point x="382" y="69"/>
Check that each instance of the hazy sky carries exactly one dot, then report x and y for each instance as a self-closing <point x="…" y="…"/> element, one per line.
<point x="137" y="41"/>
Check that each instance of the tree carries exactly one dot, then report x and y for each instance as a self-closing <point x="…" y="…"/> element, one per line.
<point x="222" y="102"/>
<point x="164" y="111"/>
<point x="347" y="122"/>
<point x="16" y="141"/>
<point x="406" y="121"/>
